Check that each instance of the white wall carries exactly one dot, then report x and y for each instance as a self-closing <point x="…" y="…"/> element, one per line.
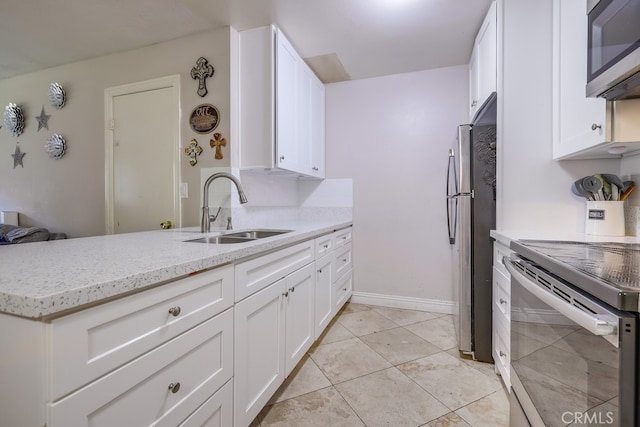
<point x="391" y="135"/>
<point x="536" y="191"/>
<point x="67" y="195"/>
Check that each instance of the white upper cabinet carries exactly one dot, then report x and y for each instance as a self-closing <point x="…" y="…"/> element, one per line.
<point x="282" y="113"/>
<point x="483" y="64"/>
<point x="584" y="127"/>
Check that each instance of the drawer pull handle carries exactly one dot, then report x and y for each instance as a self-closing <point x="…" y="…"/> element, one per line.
<point x="174" y="311"/>
<point x="502" y="353"/>
<point x="503" y="301"/>
<point x="174" y="387"/>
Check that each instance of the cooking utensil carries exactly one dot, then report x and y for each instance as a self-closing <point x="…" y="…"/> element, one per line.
<point x="578" y="189"/>
<point x="626" y="193"/>
<point x="606" y="187"/>
<point x="594" y="186"/>
<point x="612" y="179"/>
<point x="615" y="193"/>
<point x="626" y="185"/>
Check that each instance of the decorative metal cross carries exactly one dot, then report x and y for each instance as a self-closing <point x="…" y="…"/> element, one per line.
<point x="217" y="142"/>
<point x="201" y="71"/>
<point x="193" y="151"/>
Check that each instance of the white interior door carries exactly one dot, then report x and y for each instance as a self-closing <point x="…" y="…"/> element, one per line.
<point x="142" y="162"/>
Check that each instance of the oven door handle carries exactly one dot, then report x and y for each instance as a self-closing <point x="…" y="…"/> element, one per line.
<point x="592" y="324"/>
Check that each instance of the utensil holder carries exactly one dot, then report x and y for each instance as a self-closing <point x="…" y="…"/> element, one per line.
<point x="605" y="218"/>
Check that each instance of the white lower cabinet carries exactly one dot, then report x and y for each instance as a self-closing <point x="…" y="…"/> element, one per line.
<point x="299" y="315"/>
<point x="217" y="411"/>
<point x="259" y="351"/>
<point x="274" y="329"/>
<point x="324" y="310"/>
<point x="162" y="388"/>
<point x="501" y="313"/>
<point x="342" y="290"/>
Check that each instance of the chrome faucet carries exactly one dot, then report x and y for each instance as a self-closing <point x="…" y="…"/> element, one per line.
<point x="205" y="224"/>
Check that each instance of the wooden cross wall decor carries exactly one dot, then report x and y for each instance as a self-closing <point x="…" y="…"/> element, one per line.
<point x="201" y="71"/>
<point x="218" y="141"/>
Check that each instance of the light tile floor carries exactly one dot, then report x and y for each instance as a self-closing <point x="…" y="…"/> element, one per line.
<point x="378" y="366"/>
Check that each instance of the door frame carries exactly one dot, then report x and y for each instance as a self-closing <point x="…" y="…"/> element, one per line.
<point x="172" y="82"/>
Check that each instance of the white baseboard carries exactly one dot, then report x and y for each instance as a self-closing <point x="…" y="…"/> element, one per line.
<point x="408" y="303"/>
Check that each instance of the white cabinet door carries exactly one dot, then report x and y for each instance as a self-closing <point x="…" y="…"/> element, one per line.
<point x="259" y="351"/>
<point x="324" y="296"/>
<point x="483" y="64"/>
<point x="299" y="315"/>
<point x="293" y="101"/>
<point x="287" y="112"/>
<point x="579" y="122"/>
<point x="317" y="127"/>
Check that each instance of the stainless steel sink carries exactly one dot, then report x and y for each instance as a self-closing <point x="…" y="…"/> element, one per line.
<point x="239" y="236"/>
<point x="257" y="234"/>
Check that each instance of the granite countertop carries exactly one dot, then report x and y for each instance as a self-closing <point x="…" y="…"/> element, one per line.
<point x="42" y="279"/>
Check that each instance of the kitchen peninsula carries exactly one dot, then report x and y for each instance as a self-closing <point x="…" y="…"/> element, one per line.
<point x="154" y="328"/>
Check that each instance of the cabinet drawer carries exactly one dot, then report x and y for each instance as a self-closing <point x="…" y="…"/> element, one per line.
<point x="501" y="298"/>
<point x="342" y="261"/>
<point x="200" y="361"/>
<point x="501" y="357"/>
<point x="92" y="342"/>
<point x="217" y="411"/>
<point x="325" y="244"/>
<point x="342" y="290"/>
<point x="500" y="251"/>
<point x="343" y="236"/>
<point x="257" y="273"/>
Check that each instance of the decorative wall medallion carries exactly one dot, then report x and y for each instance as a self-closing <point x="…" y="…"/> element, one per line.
<point x="14" y="119"/>
<point x="17" y="157"/>
<point x="217" y="142"/>
<point x="56" y="146"/>
<point x="201" y="71"/>
<point x="193" y="151"/>
<point x="204" y="118"/>
<point x="43" y="120"/>
<point x="57" y="96"/>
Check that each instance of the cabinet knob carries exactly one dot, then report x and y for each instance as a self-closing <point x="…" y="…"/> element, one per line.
<point x="281" y="158"/>
<point x="291" y="289"/>
<point x="344" y="289"/>
<point x="320" y="271"/>
<point x="174" y="311"/>
<point x="315" y="169"/>
<point x="474" y="103"/>
<point x="174" y="387"/>
<point x="286" y="294"/>
<point x="502" y="353"/>
<point x="326" y="246"/>
<point x="503" y="301"/>
<point x="596" y="126"/>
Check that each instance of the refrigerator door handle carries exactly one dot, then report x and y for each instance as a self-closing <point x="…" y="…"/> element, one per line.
<point x="452" y="223"/>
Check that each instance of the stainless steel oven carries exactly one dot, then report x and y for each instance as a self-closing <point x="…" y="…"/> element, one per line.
<point x="573" y="355"/>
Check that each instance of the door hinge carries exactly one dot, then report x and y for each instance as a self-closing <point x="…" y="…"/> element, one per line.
<point x="112" y="124"/>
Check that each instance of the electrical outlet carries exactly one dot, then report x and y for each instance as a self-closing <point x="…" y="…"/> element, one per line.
<point x="184" y="190"/>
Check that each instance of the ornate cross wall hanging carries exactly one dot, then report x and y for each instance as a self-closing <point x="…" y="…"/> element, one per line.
<point x="193" y="151"/>
<point x="218" y="141"/>
<point x="201" y="71"/>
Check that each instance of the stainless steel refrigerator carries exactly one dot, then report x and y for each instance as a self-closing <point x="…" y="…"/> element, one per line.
<point x="471" y="214"/>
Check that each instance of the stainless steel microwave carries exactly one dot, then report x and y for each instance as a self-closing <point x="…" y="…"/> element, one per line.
<point x="613" y="56"/>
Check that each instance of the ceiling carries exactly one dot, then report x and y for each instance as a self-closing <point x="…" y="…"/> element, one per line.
<point x="369" y="38"/>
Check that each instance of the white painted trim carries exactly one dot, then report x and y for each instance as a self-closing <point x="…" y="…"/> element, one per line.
<point x="172" y="82"/>
<point x="408" y="303"/>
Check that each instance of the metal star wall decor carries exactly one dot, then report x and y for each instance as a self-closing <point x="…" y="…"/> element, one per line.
<point x="43" y="120"/>
<point x="201" y="71"/>
<point x="17" y="157"/>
